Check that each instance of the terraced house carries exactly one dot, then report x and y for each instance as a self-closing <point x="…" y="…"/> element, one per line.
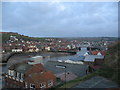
<point x="23" y="75"/>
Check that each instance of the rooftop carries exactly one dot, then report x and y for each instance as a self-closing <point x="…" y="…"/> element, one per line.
<point x="37" y="57"/>
<point x="40" y="77"/>
<point x="78" y="58"/>
<point x="20" y="67"/>
<point x="82" y="52"/>
<point x="92" y="58"/>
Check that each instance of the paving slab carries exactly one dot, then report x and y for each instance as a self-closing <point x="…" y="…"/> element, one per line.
<point x="97" y="82"/>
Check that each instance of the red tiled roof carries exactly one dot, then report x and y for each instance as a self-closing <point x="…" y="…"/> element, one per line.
<point x="96" y="52"/>
<point x="103" y="52"/>
<point x="40" y="77"/>
<point x="36" y="69"/>
<point x="4" y="32"/>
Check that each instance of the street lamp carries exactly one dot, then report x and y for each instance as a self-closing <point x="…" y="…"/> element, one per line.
<point x="62" y="67"/>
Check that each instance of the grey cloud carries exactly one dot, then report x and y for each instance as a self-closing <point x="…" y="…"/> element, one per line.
<point x="45" y="19"/>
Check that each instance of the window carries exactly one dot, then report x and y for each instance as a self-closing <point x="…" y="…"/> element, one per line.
<point x="9" y="72"/>
<point x="32" y="86"/>
<point x="43" y="85"/>
<point x="12" y="73"/>
<point x="22" y="76"/>
<point x="26" y="85"/>
<point x="18" y="76"/>
<point x="50" y="83"/>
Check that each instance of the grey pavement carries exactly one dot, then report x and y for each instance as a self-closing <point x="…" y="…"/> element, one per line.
<point x="77" y="69"/>
<point x="97" y="82"/>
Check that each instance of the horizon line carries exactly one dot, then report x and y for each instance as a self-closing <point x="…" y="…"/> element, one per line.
<point x="64" y="36"/>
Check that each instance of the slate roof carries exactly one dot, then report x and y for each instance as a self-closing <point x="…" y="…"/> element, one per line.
<point x="82" y="52"/>
<point x="91" y="58"/>
<point x="20" y="67"/>
<point x="27" y="68"/>
<point x="78" y="58"/>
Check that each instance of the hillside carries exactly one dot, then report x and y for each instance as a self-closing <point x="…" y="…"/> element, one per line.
<point x="112" y="58"/>
<point x="6" y="35"/>
<point x="111" y="67"/>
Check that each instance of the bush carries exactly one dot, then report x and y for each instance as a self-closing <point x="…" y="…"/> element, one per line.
<point x="106" y="72"/>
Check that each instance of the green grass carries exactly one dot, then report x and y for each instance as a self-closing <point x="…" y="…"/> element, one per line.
<point x="110" y="73"/>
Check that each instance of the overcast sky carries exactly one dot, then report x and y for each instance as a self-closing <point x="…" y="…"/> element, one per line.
<point x="61" y="19"/>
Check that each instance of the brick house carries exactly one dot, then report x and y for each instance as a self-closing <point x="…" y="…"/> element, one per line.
<point x="25" y="76"/>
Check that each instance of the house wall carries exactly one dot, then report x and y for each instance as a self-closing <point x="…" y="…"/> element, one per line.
<point x="98" y="61"/>
<point x="37" y="84"/>
<point x="18" y="80"/>
<point x="89" y="63"/>
<point x="10" y="83"/>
